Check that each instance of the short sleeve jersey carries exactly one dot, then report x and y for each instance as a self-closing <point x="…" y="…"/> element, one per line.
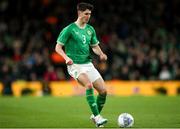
<point x="77" y="42"/>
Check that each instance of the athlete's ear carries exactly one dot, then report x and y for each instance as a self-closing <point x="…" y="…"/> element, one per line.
<point x="78" y="12"/>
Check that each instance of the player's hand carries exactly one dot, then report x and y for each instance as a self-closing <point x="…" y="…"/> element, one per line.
<point x="69" y="61"/>
<point x="103" y="57"/>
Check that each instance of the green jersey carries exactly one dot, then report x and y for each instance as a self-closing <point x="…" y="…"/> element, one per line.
<point x="77" y="42"/>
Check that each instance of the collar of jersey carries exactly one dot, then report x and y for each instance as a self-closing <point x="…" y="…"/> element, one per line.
<point x="80" y="27"/>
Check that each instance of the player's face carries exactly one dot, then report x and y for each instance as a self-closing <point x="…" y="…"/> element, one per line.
<point x="85" y="15"/>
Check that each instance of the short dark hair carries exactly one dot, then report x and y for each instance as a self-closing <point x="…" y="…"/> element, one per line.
<point x="83" y="6"/>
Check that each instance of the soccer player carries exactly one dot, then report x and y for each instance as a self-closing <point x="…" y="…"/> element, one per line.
<point x="78" y="39"/>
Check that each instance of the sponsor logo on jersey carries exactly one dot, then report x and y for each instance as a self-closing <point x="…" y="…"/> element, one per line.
<point x="76" y="32"/>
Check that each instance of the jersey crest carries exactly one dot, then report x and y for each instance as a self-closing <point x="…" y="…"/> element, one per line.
<point x="89" y="32"/>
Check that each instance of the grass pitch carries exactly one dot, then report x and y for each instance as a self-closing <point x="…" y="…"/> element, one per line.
<point x="73" y="112"/>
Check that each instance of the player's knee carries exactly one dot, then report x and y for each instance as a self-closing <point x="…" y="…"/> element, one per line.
<point x="103" y="92"/>
<point x="89" y="86"/>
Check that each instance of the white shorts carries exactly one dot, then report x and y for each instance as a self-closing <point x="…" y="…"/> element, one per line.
<point x="76" y="69"/>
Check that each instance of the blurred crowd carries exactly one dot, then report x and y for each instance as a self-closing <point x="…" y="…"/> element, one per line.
<point x="140" y="37"/>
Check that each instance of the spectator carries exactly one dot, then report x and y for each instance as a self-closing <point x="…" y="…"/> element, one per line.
<point x="139" y="38"/>
<point x="165" y="74"/>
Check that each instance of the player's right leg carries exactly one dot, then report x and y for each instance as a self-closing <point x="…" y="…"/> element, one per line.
<point x="84" y="81"/>
<point x="99" y="85"/>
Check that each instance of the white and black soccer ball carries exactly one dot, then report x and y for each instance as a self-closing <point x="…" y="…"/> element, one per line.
<point x="125" y="120"/>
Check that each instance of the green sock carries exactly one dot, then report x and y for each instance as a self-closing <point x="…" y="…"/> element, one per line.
<point x="101" y="99"/>
<point x="91" y="101"/>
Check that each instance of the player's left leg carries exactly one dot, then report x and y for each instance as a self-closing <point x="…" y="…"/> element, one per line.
<point x="99" y="85"/>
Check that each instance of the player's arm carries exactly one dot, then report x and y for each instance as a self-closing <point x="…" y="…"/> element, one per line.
<point x="61" y="41"/>
<point x="61" y="52"/>
<point x="97" y="50"/>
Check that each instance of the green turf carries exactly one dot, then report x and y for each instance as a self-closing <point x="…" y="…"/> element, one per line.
<point x="73" y="112"/>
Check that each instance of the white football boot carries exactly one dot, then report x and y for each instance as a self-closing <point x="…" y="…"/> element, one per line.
<point x="98" y="120"/>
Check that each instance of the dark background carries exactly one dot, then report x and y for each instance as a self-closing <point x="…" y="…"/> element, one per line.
<point x="140" y="37"/>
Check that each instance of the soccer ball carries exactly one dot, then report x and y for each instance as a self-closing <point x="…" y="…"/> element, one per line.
<point x="125" y="120"/>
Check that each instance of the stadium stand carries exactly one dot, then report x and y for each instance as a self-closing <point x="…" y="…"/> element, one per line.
<point x="141" y="39"/>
